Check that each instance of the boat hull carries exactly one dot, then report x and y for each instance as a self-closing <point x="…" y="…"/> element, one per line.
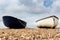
<point x="13" y="22"/>
<point x="51" y="22"/>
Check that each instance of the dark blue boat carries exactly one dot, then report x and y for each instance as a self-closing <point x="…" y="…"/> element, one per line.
<point x="12" y="22"/>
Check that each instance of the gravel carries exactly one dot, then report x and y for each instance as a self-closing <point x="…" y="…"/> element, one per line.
<point x="29" y="34"/>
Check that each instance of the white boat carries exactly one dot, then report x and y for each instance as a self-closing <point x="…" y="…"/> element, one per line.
<point x="48" y="22"/>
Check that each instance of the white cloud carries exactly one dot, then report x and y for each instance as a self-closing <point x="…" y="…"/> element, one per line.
<point x="28" y="10"/>
<point x="33" y="6"/>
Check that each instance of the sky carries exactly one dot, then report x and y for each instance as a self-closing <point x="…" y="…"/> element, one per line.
<point x="29" y="10"/>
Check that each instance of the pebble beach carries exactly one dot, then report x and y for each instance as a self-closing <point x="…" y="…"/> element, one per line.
<point x="29" y="34"/>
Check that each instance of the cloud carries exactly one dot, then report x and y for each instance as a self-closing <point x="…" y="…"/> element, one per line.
<point x="38" y="6"/>
<point x="29" y="10"/>
<point x="17" y="6"/>
<point x="28" y="3"/>
<point x="29" y="6"/>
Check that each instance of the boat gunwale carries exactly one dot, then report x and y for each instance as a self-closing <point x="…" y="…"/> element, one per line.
<point x="47" y="17"/>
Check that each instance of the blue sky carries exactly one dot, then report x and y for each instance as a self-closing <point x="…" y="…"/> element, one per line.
<point x="29" y="10"/>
